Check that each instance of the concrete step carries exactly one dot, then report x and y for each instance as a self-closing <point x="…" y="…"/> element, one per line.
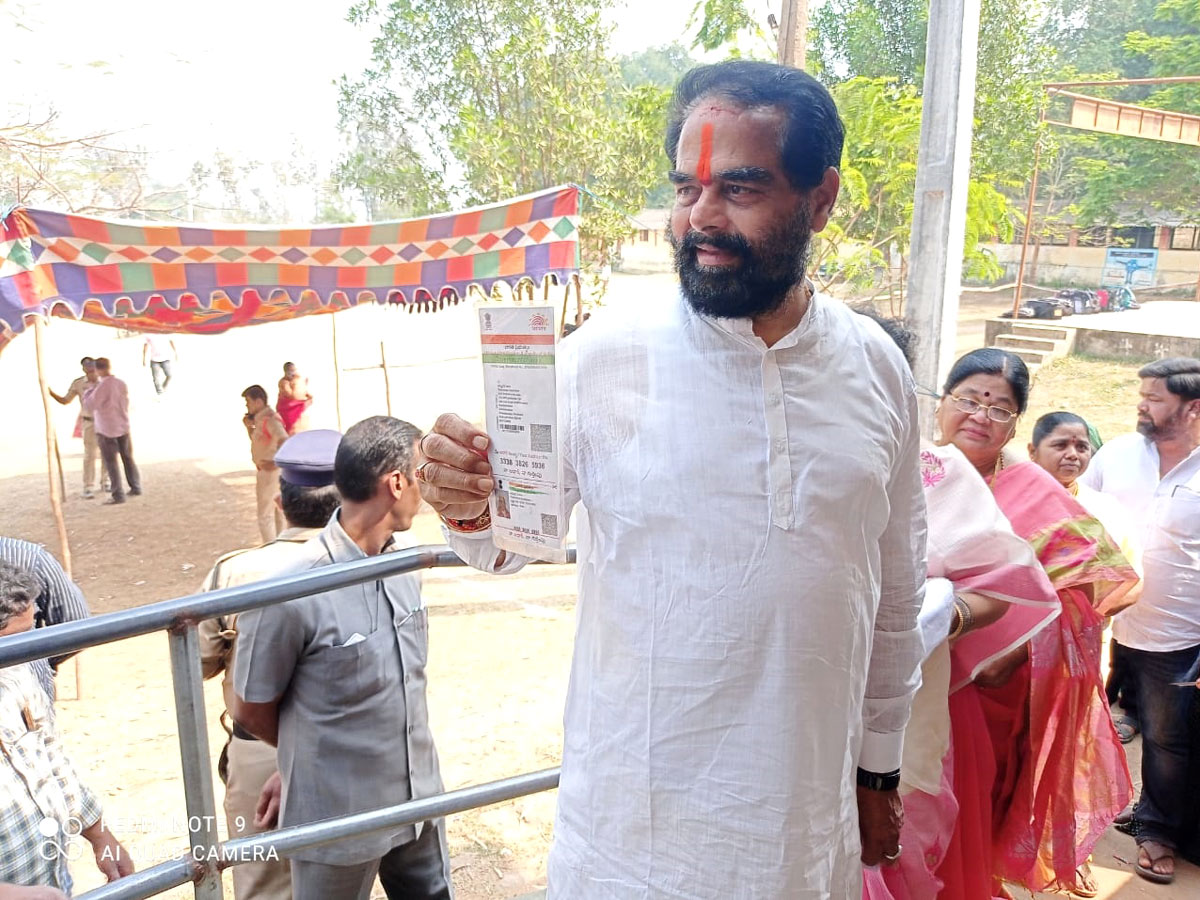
<point x="1034" y="357"/>
<point x="1041" y="331"/>
<point x="1021" y="342"/>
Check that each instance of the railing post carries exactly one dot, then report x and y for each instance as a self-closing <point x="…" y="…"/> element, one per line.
<point x="193" y="750"/>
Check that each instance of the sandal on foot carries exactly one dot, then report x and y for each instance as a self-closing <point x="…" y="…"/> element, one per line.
<point x="1127" y="728"/>
<point x="1085" y="881"/>
<point x="1155" y="853"/>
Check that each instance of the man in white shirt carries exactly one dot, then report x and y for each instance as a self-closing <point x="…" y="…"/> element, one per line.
<point x="752" y="563"/>
<point x="1156" y="476"/>
<point x="158" y="350"/>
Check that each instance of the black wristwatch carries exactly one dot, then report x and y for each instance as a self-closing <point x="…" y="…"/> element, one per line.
<point x="873" y="781"/>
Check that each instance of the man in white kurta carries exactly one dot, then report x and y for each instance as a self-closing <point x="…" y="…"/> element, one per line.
<point x="750" y="571"/>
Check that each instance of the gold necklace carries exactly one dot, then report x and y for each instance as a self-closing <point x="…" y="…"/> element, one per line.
<point x="999" y="467"/>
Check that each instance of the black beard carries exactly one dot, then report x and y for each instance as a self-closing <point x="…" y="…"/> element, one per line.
<point x="1151" y="429"/>
<point x="768" y="271"/>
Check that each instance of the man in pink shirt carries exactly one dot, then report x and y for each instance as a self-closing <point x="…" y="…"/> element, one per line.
<point x="108" y="403"/>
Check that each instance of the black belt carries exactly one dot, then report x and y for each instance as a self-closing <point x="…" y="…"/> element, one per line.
<point x="242" y="734"/>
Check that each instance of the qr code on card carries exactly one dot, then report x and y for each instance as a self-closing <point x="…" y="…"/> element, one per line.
<point x="540" y="440"/>
<point x="549" y="525"/>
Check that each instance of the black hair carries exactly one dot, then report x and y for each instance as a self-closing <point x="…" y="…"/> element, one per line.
<point x="86" y="360"/>
<point x="1045" y="426"/>
<point x="993" y="361"/>
<point x="286" y="364"/>
<point x="1181" y="374"/>
<point x="370" y="449"/>
<point x="902" y="336"/>
<point x="255" y="392"/>
<point x="19" y="589"/>
<point x="306" y="506"/>
<point x="813" y="132"/>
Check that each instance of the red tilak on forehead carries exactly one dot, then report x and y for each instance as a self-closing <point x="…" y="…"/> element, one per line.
<point x="704" y="166"/>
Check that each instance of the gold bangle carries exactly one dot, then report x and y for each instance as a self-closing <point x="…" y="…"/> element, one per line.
<point x="966" y="618"/>
<point x="960" y="622"/>
<point x="482" y="522"/>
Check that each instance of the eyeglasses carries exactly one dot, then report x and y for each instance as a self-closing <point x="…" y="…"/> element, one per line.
<point x="970" y="407"/>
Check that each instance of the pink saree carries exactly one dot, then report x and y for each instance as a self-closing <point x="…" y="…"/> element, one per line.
<point x="290" y="410"/>
<point x="947" y="833"/>
<point x="1061" y="776"/>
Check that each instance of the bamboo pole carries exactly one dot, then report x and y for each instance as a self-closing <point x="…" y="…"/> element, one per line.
<point x="337" y="373"/>
<point x="562" y="322"/>
<point x="62" y="478"/>
<point x="56" y="496"/>
<point x="387" y="378"/>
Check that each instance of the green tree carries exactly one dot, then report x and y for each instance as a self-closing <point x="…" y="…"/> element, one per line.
<point x="518" y="94"/>
<point x="731" y="26"/>
<point x="866" y="242"/>
<point x="870" y="39"/>
<point x="1117" y="175"/>
<point x="661" y="66"/>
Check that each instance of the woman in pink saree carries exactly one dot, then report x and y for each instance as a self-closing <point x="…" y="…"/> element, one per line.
<point x="976" y="561"/>
<point x="1060" y="773"/>
<point x="986" y="595"/>
<point x="294" y="399"/>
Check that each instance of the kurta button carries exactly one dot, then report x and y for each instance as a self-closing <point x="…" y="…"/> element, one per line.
<point x="410" y="729"/>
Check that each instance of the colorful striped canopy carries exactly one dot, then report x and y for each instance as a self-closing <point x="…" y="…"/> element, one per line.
<point x="153" y="276"/>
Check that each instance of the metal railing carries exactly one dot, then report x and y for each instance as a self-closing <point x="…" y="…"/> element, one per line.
<point x="207" y="856"/>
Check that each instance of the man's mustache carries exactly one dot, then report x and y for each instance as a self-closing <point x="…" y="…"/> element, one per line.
<point x="731" y="243"/>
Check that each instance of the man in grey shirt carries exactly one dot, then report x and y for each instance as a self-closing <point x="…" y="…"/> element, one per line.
<point x="337" y="682"/>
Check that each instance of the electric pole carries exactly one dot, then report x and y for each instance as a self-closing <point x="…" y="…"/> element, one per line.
<point x="940" y="211"/>
<point x="793" y="33"/>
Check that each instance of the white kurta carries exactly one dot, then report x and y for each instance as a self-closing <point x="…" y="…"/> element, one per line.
<point x="749" y="581"/>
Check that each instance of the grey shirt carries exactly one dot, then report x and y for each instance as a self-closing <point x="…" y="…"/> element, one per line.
<point x="349" y="669"/>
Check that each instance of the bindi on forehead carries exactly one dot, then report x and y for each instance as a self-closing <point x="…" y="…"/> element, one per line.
<point x="704" y="165"/>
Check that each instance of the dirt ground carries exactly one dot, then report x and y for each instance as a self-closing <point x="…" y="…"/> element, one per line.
<point x="499" y="647"/>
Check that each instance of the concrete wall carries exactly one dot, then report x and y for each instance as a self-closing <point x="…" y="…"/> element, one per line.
<point x="1083" y="266"/>
<point x="1111" y="344"/>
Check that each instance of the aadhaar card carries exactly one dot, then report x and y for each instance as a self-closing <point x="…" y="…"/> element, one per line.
<point x="521" y="397"/>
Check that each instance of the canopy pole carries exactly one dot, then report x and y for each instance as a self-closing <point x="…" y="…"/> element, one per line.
<point x="55" y="496"/>
<point x="337" y="373"/>
<point x="62" y="478"/>
<point x="562" y="323"/>
<point x="52" y="455"/>
<point x="387" y="378"/>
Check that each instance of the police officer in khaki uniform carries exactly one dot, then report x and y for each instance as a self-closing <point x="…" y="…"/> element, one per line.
<point x="267" y="435"/>
<point x="308" y="499"/>
<point x="80" y="388"/>
<point x="337" y="681"/>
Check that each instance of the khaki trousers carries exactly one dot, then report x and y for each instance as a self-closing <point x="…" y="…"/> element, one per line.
<point x="91" y="452"/>
<point x="251" y="763"/>
<point x="270" y="517"/>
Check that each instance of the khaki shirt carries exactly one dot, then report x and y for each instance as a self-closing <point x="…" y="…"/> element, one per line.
<point x="349" y="669"/>
<point x="80" y="388"/>
<point x="217" y="636"/>
<point x="267" y="434"/>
